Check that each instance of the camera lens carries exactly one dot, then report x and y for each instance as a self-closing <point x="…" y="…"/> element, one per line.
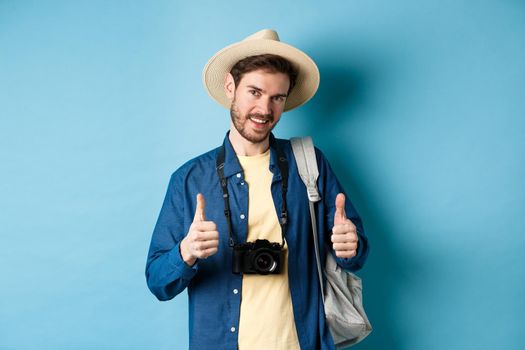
<point x="264" y="262"/>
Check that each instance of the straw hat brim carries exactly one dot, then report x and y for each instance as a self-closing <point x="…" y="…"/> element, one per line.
<point x="222" y="62"/>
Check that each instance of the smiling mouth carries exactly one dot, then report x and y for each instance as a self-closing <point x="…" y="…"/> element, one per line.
<point x="259" y="121"/>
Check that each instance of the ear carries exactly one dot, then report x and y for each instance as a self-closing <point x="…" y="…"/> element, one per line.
<point x="229" y="86"/>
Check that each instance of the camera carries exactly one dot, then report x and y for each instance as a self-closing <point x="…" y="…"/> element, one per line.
<point x="260" y="257"/>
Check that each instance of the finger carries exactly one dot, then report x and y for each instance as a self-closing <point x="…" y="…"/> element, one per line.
<point x="204" y="245"/>
<point x="199" y="210"/>
<point x="344" y="238"/>
<point x="203" y="226"/>
<point x="203" y="254"/>
<point x="340" y="214"/>
<point x="209" y="252"/>
<point x="345" y="254"/>
<point x="206" y="236"/>
<point x="345" y="228"/>
<point x="345" y="246"/>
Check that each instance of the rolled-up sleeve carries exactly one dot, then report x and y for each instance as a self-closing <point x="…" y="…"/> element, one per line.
<point x="330" y="187"/>
<point x="166" y="273"/>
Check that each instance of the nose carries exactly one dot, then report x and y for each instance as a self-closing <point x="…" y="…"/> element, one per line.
<point x="264" y="105"/>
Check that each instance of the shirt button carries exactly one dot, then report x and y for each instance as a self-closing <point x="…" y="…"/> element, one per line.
<point x="242" y="216"/>
<point x="239" y="175"/>
<point x="232" y="329"/>
<point x="242" y="183"/>
<point x="235" y="291"/>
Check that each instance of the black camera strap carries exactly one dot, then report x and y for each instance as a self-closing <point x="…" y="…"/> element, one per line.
<point x="283" y="167"/>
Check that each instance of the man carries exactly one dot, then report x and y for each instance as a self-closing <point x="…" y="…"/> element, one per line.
<point x="249" y="190"/>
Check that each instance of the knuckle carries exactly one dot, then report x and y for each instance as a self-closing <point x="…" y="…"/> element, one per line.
<point x="345" y="254"/>
<point x="349" y="228"/>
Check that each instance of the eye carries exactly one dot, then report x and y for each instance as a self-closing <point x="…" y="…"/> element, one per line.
<point x="279" y="98"/>
<point x="254" y="92"/>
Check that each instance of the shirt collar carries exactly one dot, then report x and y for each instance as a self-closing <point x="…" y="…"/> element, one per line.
<point x="231" y="162"/>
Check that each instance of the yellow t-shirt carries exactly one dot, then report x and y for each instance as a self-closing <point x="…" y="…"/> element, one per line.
<point x="266" y="320"/>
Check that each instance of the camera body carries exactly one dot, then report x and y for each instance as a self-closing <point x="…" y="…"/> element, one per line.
<point x="260" y="257"/>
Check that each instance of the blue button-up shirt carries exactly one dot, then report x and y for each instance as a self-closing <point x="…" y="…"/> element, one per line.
<point x="214" y="291"/>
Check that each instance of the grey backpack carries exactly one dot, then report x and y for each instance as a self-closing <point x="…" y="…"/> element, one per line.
<point x="342" y="295"/>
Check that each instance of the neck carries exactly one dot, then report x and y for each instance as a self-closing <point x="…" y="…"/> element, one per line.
<point x="243" y="147"/>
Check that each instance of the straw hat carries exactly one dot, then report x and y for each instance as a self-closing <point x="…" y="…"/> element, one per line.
<point x="265" y="41"/>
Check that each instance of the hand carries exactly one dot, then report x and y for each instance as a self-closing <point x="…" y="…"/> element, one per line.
<point x="344" y="232"/>
<point x="202" y="239"/>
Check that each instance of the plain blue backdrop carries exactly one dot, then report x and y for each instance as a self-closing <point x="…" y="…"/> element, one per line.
<point x="421" y="112"/>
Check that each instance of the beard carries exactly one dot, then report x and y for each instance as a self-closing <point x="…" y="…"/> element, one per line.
<point x="241" y="123"/>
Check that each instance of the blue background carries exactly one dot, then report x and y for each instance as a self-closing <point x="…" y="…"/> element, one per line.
<point x="420" y="111"/>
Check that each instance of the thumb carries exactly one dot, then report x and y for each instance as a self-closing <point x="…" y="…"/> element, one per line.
<point x="340" y="214"/>
<point x="199" y="210"/>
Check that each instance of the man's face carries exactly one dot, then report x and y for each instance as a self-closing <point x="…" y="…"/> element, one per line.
<point x="257" y="103"/>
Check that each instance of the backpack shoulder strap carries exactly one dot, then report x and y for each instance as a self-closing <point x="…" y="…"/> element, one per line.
<point x="304" y="152"/>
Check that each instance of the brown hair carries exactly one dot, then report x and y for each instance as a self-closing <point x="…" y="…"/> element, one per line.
<point x="267" y="62"/>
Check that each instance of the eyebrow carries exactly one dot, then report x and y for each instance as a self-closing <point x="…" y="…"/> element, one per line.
<point x="261" y="90"/>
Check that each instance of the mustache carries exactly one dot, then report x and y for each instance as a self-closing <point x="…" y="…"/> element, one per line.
<point x="268" y="117"/>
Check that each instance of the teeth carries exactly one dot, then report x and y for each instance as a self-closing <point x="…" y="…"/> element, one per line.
<point x="260" y="121"/>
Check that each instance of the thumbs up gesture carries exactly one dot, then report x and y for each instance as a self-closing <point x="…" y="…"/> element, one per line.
<point x="344" y="232"/>
<point x="202" y="239"/>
